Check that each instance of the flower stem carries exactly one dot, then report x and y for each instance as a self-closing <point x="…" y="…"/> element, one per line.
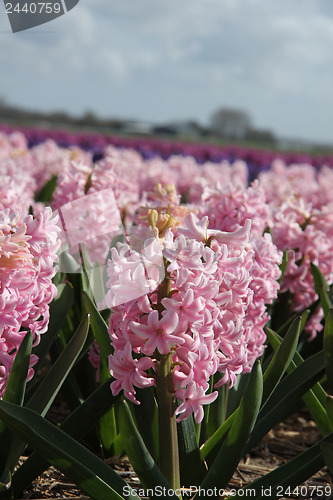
<point x="168" y="441"/>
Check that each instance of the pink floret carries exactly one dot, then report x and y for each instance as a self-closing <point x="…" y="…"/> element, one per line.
<point x="28" y="251"/>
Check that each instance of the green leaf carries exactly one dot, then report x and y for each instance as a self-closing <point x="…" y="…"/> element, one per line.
<point x="87" y="471"/>
<point x="303" y="380"/>
<point x="234" y="445"/>
<point x="76" y="425"/>
<point x="328" y="349"/>
<point x="146" y="417"/>
<point x="317" y="411"/>
<point x="304" y="317"/>
<point x="210" y="448"/>
<point x="321" y="288"/>
<point x="47" y="390"/>
<point x="14" y="393"/>
<point x="329" y="410"/>
<point x="96" y="277"/>
<point x="192" y="467"/>
<point x="140" y="458"/>
<point x="16" y="384"/>
<point x="110" y="439"/>
<point x="45" y="194"/>
<point x="86" y="270"/>
<point x="281" y="359"/>
<point x="59" y="308"/>
<point x="98" y="326"/>
<point x="86" y="262"/>
<point x="70" y="389"/>
<point x="286" y="395"/>
<point x="315" y="398"/>
<point x="109" y="436"/>
<point x="216" y="411"/>
<point x="283" y="265"/>
<point x="107" y="425"/>
<point x="85" y="283"/>
<point x="92" y="277"/>
<point x="292" y="474"/>
<point x="235" y="393"/>
<point x="292" y="316"/>
<point x="86" y="415"/>
<point x="327" y="451"/>
<point x="5" y="480"/>
<point x="68" y="264"/>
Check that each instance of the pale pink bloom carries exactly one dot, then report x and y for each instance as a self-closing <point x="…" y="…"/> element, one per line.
<point x="188" y="307"/>
<point x="193" y="398"/>
<point x="198" y="229"/>
<point x="129" y="372"/>
<point x="28" y="252"/>
<point x="306" y="234"/>
<point x="229" y="208"/>
<point x="195" y="228"/>
<point x="190" y="177"/>
<point x="301" y="202"/>
<point x="200" y="323"/>
<point x="282" y="181"/>
<point x="49" y="159"/>
<point x="157" y="333"/>
<point x="195" y="365"/>
<point x="133" y="274"/>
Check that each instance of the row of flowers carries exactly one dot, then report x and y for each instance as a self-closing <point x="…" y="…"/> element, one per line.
<point x="255" y="158"/>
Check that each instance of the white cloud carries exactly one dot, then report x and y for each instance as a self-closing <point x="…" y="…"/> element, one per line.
<point x="162" y="60"/>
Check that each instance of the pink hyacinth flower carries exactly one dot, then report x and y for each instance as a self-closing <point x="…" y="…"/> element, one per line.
<point x="129" y="372"/>
<point x="193" y="398"/>
<point x="157" y="332"/>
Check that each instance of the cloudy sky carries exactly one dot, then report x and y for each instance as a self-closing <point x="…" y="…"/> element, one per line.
<point x="163" y="60"/>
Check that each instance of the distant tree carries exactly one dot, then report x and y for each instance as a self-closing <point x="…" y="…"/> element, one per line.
<point x="59" y="117"/>
<point x="263" y="135"/>
<point x="230" y="123"/>
<point x="90" y="117"/>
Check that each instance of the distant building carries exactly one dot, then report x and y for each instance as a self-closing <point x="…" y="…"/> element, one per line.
<point x="187" y="128"/>
<point x="136" y="127"/>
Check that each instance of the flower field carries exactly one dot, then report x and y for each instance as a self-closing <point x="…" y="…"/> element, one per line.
<point x="177" y="296"/>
